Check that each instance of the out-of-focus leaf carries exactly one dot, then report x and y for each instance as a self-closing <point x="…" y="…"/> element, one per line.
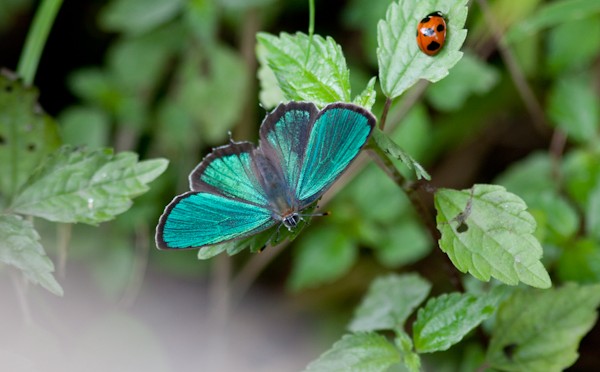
<point x="539" y="330"/>
<point x="551" y="14"/>
<point x="84" y="126"/>
<point x="401" y="62"/>
<point x="488" y="233"/>
<point x="137" y="16"/>
<point x="581" y="174"/>
<point x="469" y="76"/>
<point x="321" y="257"/>
<point x="580" y="262"/>
<point x="405" y="242"/>
<point x="564" y="54"/>
<point x="364" y="15"/>
<point x="573" y="107"/>
<point x="212" y="89"/>
<point x="27" y="134"/>
<point x="389" y="302"/>
<point x="359" y="352"/>
<point x="317" y="74"/>
<point x="86" y="186"/>
<point x="410" y="359"/>
<point x="20" y="247"/>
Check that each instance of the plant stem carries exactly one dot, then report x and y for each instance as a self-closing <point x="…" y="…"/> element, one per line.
<point x="311" y="27"/>
<point x="386" y="109"/>
<point x="36" y="39"/>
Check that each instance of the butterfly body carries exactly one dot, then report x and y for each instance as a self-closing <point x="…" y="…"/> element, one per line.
<point x="239" y="190"/>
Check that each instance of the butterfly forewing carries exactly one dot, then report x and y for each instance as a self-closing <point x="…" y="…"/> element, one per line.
<point x="284" y="135"/>
<point x="196" y="219"/>
<point x="337" y="136"/>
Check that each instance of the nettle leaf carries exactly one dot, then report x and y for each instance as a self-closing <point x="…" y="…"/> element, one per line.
<point x="488" y="233"/>
<point x="20" y="247"/>
<point x="384" y="142"/>
<point x="410" y="359"/>
<point x="321" y="257"/>
<point x="540" y="330"/>
<point x="270" y="94"/>
<point x="367" y="98"/>
<point x="78" y="185"/>
<point x="446" y="319"/>
<point x="27" y="134"/>
<point x="401" y="62"/>
<point x="317" y="73"/>
<point x="389" y="302"/>
<point x="360" y="352"/>
<point x="573" y="107"/>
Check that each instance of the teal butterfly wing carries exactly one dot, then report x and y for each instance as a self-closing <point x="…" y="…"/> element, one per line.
<point x="227" y="202"/>
<point x="284" y="135"/>
<point x="337" y="135"/>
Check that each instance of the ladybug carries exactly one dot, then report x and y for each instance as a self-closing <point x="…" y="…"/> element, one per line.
<point x="431" y="33"/>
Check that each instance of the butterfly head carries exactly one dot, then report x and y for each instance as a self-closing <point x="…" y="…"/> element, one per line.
<point x="291" y="221"/>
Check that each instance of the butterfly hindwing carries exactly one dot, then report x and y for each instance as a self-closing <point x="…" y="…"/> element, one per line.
<point x="336" y="137"/>
<point x="195" y="219"/>
<point x="228" y="170"/>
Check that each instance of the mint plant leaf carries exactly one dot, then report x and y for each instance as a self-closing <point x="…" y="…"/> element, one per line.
<point x="389" y="302"/>
<point x="360" y="352"/>
<point x="270" y="94"/>
<point x="488" y="233"/>
<point x="384" y="142"/>
<point x="401" y="62"/>
<point x="86" y="186"/>
<point x="20" y="247"/>
<point x="410" y="359"/>
<point x="318" y="74"/>
<point x="540" y="330"/>
<point x="27" y="134"/>
<point x="446" y="319"/>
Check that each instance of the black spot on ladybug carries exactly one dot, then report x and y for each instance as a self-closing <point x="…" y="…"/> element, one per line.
<point x="440" y="28"/>
<point x="434" y="45"/>
<point x="425" y="20"/>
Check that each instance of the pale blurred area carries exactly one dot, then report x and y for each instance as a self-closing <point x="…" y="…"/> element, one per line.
<point x="168" y="326"/>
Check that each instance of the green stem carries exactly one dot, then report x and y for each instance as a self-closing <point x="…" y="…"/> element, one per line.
<point x="36" y="39"/>
<point x="311" y="27"/>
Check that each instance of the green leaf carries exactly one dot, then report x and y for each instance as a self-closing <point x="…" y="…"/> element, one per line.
<point x="411" y="360"/>
<point x="404" y="242"/>
<point x="321" y="257"/>
<point x="581" y="174"/>
<point x="86" y="186"/>
<point x="360" y="352"/>
<point x="213" y="250"/>
<point x="565" y="55"/>
<point x="580" y="262"/>
<point x="489" y="233"/>
<point x="446" y="319"/>
<point x="20" y="247"/>
<point x="539" y="330"/>
<point x="573" y="107"/>
<point x="389" y="302"/>
<point x="401" y="62"/>
<point x="469" y="76"/>
<point x="227" y="76"/>
<point x="367" y="98"/>
<point x="270" y="94"/>
<point x="385" y="143"/>
<point x="137" y="16"/>
<point x="592" y="219"/>
<point x="27" y="134"/>
<point x="318" y="74"/>
<point x="551" y="14"/>
<point x="84" y="126"/>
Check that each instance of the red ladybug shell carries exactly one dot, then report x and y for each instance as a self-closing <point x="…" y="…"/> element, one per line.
<point x="431" y="33"/>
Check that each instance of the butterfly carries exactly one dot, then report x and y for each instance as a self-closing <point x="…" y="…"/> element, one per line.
<point x="239" y="190"/>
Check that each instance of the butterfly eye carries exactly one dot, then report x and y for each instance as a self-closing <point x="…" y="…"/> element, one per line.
<point x="291" y="221"/>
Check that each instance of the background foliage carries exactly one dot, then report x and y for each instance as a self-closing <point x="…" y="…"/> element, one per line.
<point x="497" y="137"/>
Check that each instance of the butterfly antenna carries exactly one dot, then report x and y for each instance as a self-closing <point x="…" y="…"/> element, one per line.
<point x="230" y="137"/>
